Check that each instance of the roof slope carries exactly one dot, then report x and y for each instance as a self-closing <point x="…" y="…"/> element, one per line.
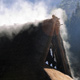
<point x="56" y="75"/>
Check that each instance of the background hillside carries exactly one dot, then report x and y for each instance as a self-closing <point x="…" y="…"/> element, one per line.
<point x="73" y="25"/>
<point x="69" y="6"/>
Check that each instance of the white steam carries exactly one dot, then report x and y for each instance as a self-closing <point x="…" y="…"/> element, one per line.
<point x="22" y="12"/>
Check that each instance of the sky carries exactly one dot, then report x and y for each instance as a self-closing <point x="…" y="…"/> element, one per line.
<point x="47" y="2"/>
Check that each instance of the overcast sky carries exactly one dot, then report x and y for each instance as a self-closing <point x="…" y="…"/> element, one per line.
<point x="47" y="2"/>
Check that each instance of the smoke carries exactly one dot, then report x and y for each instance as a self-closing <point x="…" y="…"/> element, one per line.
<point x="12" y="18"/>
<point x="22" y="12"/>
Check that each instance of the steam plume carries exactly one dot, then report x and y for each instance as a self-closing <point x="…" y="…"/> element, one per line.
<point x="21" y="12"/>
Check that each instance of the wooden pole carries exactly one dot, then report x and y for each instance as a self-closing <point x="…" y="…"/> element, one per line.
<point x="62" y="62"/>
